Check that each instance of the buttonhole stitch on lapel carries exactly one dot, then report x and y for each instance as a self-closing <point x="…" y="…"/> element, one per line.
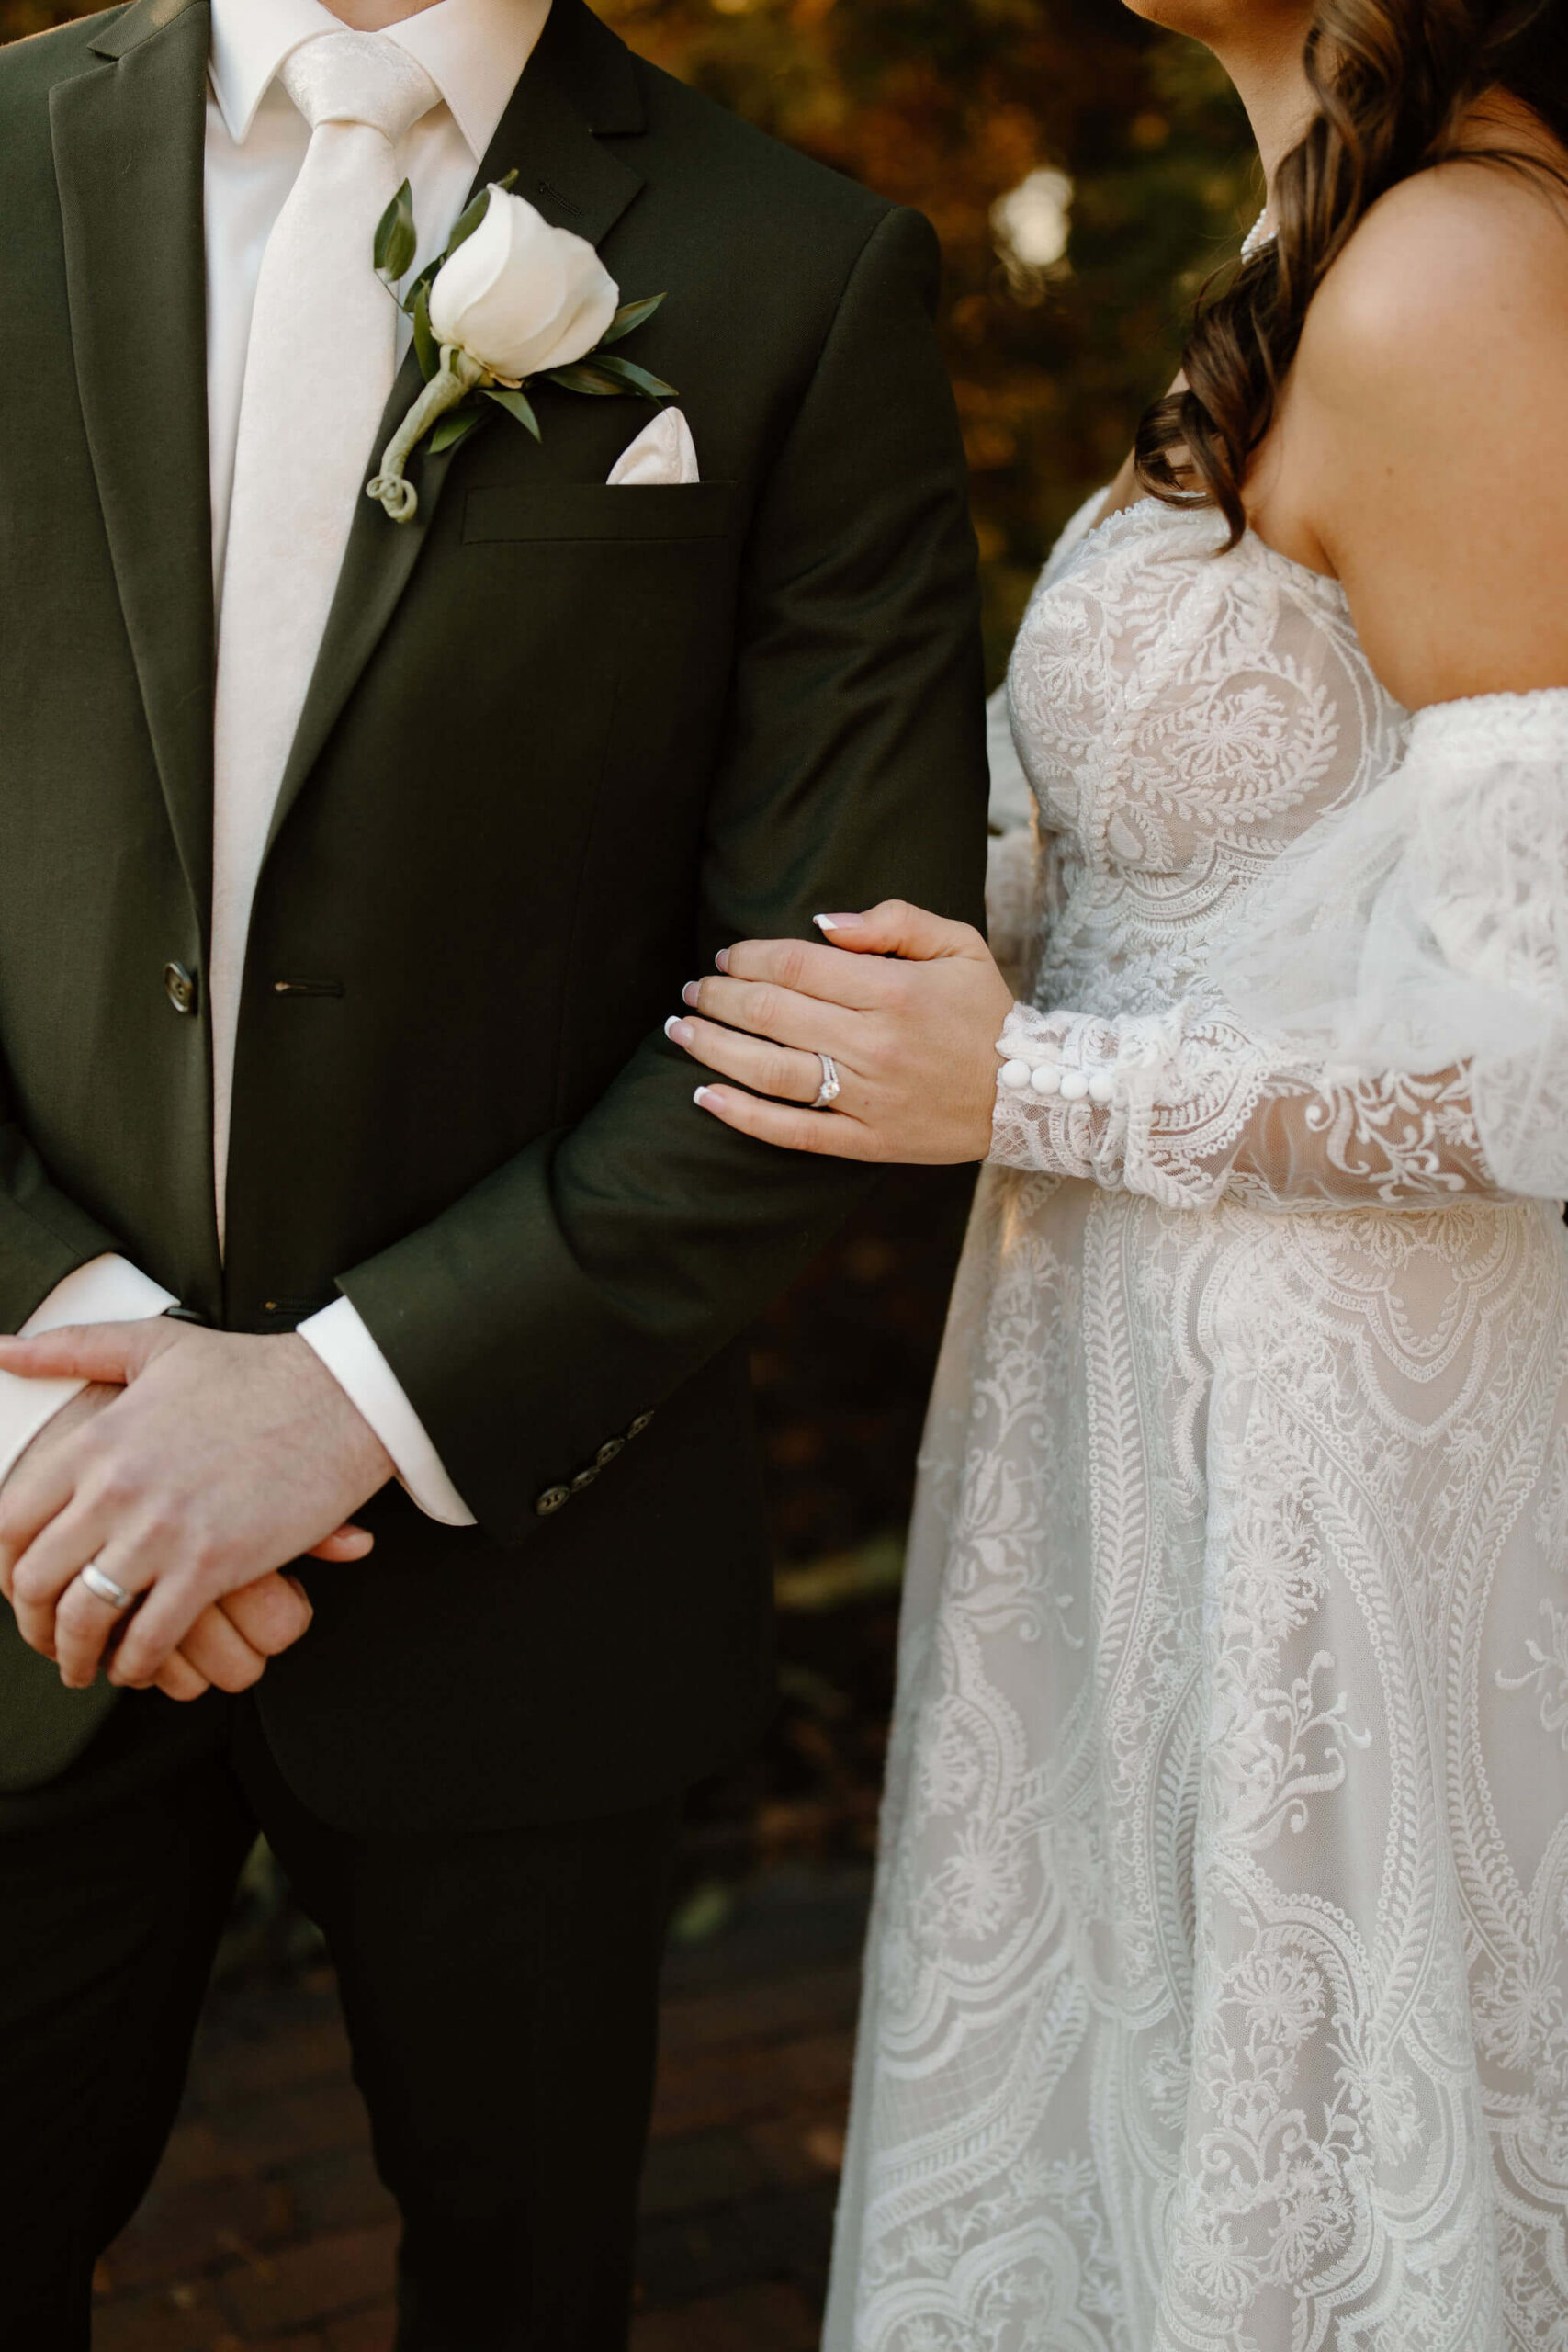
<point x="307" y="988"/>
<point x="559" y="196"/>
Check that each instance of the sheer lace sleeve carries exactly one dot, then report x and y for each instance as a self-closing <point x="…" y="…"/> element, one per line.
<point x="1013" y="911"/>
<point x="1404" y="986"/>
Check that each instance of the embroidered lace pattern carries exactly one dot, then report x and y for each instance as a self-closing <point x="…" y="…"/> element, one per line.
<point x="1217" y="1988"/>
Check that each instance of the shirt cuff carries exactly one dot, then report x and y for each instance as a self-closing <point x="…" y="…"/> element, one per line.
<point x="342" y="1339"/>
<point x="106" y="1289"/>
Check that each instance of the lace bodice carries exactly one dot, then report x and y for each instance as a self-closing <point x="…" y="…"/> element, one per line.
<point x="1199" y="732"/>
<point x="1180" y="721"/>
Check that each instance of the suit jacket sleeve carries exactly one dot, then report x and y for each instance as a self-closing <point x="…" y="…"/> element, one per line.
<point x="43" y="1234"/>
<point x="572" y="1291"/>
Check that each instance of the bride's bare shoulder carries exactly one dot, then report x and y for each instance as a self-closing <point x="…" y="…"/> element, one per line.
<point x="1452" y="276"/>
<point x="1425" y="417"/>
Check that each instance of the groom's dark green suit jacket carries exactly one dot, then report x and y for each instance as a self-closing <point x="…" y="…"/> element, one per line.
<point x="563" y="741"/>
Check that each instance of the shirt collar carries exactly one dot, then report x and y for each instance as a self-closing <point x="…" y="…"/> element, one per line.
<point x="474" y="52"/>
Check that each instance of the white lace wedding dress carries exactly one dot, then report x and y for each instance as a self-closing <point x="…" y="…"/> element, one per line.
<point x="1217" y="1988"/>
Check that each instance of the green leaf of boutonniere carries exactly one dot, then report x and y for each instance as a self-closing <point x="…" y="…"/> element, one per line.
<point x="455" y="426"/>
<point x="427" y="350"/>
<point x="586" y="375"/>
<point x="633" y="378"/>
<point x="630" y="316"/>
<point x="610" y="379"/>
<point x="396" y="241"/>
<point x="517" y="404"/>
<point x="422" y="285"/>
<point x="469" y="218"/>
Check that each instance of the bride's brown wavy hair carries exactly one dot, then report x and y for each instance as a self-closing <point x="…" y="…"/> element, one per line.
<point x="1393" y="81"/>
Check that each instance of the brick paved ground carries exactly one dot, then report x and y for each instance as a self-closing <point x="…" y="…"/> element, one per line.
<point x="268" y="2227"/>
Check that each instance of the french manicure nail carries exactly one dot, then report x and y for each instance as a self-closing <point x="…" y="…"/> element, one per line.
<point x="840" y="923"/>
<point x="689" y="993"/>
<point x="680" y="1033"/>
<point x="706" y="1097"/>
<point x="722" y="959"/>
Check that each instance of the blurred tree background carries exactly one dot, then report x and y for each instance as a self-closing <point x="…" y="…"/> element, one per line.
<point x="1085" y="173"/>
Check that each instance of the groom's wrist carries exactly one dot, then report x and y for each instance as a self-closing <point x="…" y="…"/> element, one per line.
<point x="353" y="1440"/>
<point x="340" y="1337"/>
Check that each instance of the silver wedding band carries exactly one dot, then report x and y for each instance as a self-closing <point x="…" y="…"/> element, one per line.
<point x="103" y="1588"/>
<point x="830" y="1091"/>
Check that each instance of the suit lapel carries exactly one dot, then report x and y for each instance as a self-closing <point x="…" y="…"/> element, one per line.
<point x="579" y="88"/>
<point x="128" y="139"/>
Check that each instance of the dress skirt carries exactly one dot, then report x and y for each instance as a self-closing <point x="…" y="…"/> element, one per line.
<point x="1217" y="1985"/>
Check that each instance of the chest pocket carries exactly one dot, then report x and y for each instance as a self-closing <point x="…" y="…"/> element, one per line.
<point x="579" y="510"/>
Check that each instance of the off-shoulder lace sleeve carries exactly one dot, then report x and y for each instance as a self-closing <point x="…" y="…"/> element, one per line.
<point x="1393" y="1027"/>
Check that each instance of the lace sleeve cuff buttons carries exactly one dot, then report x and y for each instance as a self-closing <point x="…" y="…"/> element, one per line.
<point x="1048" y="1078"/>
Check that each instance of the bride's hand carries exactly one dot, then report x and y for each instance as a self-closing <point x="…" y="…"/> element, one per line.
<point x="913" y="1038"/>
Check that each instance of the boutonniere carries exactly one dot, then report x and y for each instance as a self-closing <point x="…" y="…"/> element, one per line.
<point x="512" y="300"/>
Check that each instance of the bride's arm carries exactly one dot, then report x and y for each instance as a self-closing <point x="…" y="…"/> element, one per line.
<point x="1437" y="1064"/>
<point x="1405" y="1040"/>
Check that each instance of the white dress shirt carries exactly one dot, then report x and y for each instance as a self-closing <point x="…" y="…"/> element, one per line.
<point x="474" y="52"/>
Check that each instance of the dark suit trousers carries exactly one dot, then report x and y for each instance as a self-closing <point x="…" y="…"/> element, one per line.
<point x="500" y="1992"/>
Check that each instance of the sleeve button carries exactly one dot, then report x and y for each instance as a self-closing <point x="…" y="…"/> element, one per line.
<point x="583" y="1478"/>
<point x="640" y="1423"/>
<point x="608" y="1451"/>
<point x="179" y="987"/>
<point x="551" y="1501"/>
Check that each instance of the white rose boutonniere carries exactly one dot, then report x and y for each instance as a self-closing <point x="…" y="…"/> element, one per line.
<point x="509" y="302"/>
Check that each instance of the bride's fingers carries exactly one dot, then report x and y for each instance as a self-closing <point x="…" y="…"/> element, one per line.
<point x="765" y="1067"/>
<point x="830" y="1133"/>
<point x="800" y="965"/>
<point x="765" y="1010"/>
<point x="895" y="928"/>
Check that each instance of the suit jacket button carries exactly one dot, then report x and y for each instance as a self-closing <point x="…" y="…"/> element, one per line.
<point x="640" y="1423"/>
<point x="550" y="1502"/>
<point x="583" y="1478"/>
<point x="608" y="1451"/>
<point x="179" y="987"/>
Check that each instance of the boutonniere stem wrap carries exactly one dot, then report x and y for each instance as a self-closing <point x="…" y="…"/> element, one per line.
<point x="512" y="301"/>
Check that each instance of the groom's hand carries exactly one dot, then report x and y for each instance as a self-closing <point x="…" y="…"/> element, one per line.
<point x="231" y="1643"/>
<point x="222" y="1458"/>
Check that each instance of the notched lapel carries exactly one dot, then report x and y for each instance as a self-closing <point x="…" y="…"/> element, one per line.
<point x="128" y="137"/>
<point x="579" y="88"/>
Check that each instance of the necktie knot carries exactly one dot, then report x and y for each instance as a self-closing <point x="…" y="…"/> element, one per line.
<point x="359" y="77"/>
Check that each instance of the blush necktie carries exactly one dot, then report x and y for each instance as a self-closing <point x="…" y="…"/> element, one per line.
<point x="319" y="371"/>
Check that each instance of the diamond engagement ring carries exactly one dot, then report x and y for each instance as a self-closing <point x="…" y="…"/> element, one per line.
<point x="103" y="1588"/>
<point x="830" y="1091"/>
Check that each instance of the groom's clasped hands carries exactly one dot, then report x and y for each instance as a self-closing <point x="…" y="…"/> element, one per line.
<point x="196" y="1466"/>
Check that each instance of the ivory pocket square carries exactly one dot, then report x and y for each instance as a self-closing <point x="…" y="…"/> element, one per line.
<point x="663" y="456"/>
